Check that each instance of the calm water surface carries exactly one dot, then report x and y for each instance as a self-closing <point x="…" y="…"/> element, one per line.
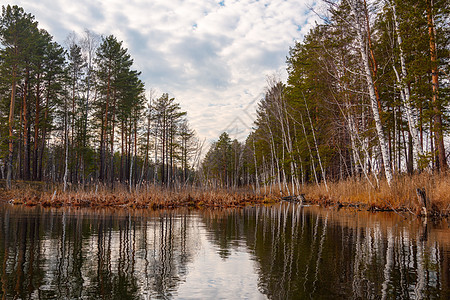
<point x="281" y="252"/>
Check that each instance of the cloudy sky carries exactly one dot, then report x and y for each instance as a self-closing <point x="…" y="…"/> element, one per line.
<point x="213" y="56"/>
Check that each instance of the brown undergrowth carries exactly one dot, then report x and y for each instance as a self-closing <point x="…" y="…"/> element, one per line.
<point x="358" y="193"/>
<point x="147" y="197"/>
<point x="401" y="196"/>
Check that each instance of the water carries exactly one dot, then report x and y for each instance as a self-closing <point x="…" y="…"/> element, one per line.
<point x="281" y="252"/>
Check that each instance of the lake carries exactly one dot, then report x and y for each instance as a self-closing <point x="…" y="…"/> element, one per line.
<point x="285" y="251"/>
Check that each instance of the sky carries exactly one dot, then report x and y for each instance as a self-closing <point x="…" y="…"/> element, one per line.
<point x="212" y="56"/>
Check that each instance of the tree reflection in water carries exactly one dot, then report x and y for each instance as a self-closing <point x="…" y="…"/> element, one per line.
<point x="297" y="252"/>
<point x="90" y="254"/>
<point x="309" y="252"/>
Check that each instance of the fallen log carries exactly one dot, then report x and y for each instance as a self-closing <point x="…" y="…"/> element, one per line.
<point x="299" y="198"/>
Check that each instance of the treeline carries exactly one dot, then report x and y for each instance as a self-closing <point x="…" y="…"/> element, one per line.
<point x="366" y="97"/>
<point x="80" y="114"/>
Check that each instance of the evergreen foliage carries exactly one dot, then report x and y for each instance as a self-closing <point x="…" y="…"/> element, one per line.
<point x="77" y="115"/>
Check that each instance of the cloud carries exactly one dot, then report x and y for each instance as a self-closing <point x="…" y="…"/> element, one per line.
<point x="212" y="56"/>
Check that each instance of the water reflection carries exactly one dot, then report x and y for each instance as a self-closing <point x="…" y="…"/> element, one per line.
<point x="83" y="254"/>
<point x="309" y="252"/>
<point x="284" y="251"/>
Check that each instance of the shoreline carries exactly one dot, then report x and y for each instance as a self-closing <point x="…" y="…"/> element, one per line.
<point x="348" y="194"/>
<point x="155" y="199"/>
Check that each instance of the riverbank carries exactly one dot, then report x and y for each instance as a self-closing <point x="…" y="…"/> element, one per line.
<point x="147" y="197"/>
<point x="355" y="193"/>
<point x="401" y="196"/>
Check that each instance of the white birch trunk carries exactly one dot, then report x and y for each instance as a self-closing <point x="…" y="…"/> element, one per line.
<point x="405" y="96"/>
<point x="131" y="164"/>
<point x="310" y="152"/>
<point x="280" y="117"/>
<point x="354" y="135"/>
<point x="66" y="141"/>
<point x="293" y="164"/>
<point x="362" y="41"/>
<point x="256" y="167"/>
<point x="317" y="147"/>
<point x="274" y="154"/>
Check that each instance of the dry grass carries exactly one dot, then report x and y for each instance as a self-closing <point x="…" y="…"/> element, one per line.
<point x="400" y="196"/>
<point x="352" y="192"/>
<point x="150" y="197"/>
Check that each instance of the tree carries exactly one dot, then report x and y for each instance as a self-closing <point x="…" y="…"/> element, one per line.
<point x="15" y="29"/>
<point x="113" y="70"/>
<point x="168" y="116"/>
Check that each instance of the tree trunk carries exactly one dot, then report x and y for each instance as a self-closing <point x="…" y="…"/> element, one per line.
<point x="122" y="152"/>
<point x="131" y="160"/>
<point x="317" y="147"/>
<point x="26" y="132"/>
<point x="66" y="144"/>
<point x="104" y="132"/>
<point x="362" y="39"/>
<point x="405" y="96"/>
<point x="438" y="132"/>
<point x="44" y="135"/>
<point x="36" y="129"/>
<point x="113" y="123"/>
<point x="135" y="151"/>
<point x="11" y="128"/>
<point x="163" y="154"/>
<point x="256" y="167"/>
<point x="373" y="62"/>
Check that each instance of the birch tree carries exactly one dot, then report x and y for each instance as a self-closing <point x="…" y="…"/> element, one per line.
<point x="357" y="9"/>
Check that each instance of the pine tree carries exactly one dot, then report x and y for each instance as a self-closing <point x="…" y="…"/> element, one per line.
<point x="16" y="27"/>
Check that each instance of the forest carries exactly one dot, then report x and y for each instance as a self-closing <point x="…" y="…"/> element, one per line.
<point x="80" y="114"/>
<point x="363" y="115"/>
<point x="365" y="103"/>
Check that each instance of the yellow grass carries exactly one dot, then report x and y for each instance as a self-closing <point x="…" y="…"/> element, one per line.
<point x="400" y="196"/>
<point x="148" y="197"/>
<point x="352" y="192"/>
